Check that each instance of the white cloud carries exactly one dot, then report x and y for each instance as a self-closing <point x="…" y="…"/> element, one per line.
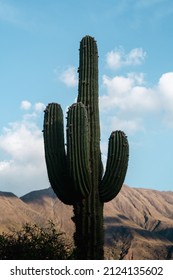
<point x="39" y="107"/>
<point x="138" y="78"/>
<point x="165" y="89"/>
<point x="114" y="59"/>
<point x="135" y="56"/>
<point x="165" y="86"/>
<point x="22" y="164"/>
<point x="69" y="77"/>
<point x="129" y="126"/>
<point x="25" y="105"/>
<point x="118" y="58"/>
<point x="127" y="94"/>
<point x="132" y="102"/>
<point x="22" y="143"/>
<point x="4" y="165"/>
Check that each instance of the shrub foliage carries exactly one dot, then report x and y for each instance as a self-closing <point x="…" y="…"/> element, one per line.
<point x="34" y="243"/>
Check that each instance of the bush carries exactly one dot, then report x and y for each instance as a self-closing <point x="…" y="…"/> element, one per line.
<point x="35" y="243"/>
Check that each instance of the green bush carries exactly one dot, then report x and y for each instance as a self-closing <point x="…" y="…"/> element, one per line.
<point x="35" y="243"/>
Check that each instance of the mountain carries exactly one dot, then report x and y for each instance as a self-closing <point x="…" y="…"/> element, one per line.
<point x="138" y="223"/>
<point x="14" y="213"/>
<point x="49" y="206"/>
<point x="142" y="224"/>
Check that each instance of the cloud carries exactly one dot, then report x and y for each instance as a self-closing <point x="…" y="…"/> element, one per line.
<point x="135" y="57"/>
<point x="4" y="165"/>
<point x="21" y="140"/>
<point x="127" y="93"/>
<point x="39" y="107"/>
<point x="165" y="87"/>
<point x="116" y="59"/>
<point x="36" y="108"/>
<point x="132" y="101"/>
<point x="130" y="126"/>
<point x="25" y="105"/>
<point x="69" y="77"/>
<point x="22" y="164"/>
<point x="22" y="144"/>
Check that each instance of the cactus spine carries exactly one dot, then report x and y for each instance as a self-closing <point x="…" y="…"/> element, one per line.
<point x="76" y="174"/>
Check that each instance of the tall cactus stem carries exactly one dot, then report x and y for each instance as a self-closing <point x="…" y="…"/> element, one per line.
<point x="76" y="173"/>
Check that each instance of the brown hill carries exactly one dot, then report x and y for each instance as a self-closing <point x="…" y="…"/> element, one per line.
<point x="14" y="212"/>
<point x="138" y="222"/>
<point x="142" y="225"/>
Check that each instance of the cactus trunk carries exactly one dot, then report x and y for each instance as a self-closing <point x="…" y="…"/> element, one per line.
<point x="78" y="180"/>
<point x="89" y="212"/>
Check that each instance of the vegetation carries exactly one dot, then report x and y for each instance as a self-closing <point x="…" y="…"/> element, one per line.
<point x="76" y="176"/>
<point x="35" y="243"/>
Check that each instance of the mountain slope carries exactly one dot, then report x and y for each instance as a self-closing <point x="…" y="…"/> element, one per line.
<point x="14" y="212"/>
<point x="49" y="206"/>
<point x="138" y="222"/>
<point x="149" y="235"/>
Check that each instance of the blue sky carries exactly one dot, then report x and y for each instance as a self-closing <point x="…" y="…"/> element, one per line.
<point x="39" y="55"/>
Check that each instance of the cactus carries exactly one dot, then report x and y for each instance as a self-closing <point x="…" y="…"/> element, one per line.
<point x="76" y="173"/>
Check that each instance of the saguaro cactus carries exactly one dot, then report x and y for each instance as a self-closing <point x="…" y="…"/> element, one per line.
<point x="76" y="173"/>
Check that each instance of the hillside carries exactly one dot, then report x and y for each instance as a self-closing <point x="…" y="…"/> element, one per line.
<point x="143" y="223"/>
<point x="138" y="222"/>
<point x="15" y="212"/>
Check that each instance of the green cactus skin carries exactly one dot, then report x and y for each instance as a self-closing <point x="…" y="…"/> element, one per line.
<point x="116" y="166"/>
<point x="76" y="175"/>
<point x="78" y="148"/>
<point x="55" y="153"/>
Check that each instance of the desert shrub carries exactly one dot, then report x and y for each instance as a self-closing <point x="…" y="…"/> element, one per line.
<point x="34" y="243"/>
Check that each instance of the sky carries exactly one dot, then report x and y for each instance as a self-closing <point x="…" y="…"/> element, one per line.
<point x="39" y="57"/>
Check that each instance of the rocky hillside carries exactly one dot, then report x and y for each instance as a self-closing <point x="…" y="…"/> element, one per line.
<point x="138" y="222"/>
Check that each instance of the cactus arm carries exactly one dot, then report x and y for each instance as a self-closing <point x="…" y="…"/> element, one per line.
<point x="53" y="133"/>
<point x="78" y="149"/>
<point x="116" y="166"/>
